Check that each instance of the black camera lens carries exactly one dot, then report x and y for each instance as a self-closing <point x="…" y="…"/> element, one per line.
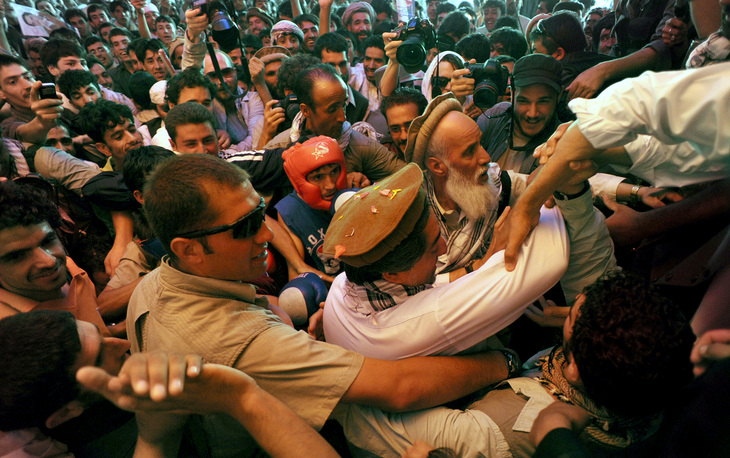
<point x="486" y="94"/>
<point x="411" y="54"/>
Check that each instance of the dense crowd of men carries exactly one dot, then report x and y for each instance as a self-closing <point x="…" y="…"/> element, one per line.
<point x="321" y="228"/>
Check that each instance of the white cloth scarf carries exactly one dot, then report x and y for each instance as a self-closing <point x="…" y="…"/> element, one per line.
<point x="715" y="49"/>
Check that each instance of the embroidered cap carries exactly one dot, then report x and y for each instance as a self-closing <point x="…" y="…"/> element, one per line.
<point x="375" y="220"/>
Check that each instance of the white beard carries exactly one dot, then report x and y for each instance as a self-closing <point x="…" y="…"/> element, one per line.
<point x="475" y="198"/>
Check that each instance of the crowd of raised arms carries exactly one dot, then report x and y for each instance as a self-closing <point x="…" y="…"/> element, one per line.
<point x="392" y="228"/>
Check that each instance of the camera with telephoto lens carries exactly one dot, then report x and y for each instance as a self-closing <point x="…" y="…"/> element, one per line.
<point x="290" y="104"/>
<point x="490" y="82"/>
<point x="418" y="37"/>
<point x="225" y="31"/>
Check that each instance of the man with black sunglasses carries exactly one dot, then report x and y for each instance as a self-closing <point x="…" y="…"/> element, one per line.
<point x="209" y="219"/>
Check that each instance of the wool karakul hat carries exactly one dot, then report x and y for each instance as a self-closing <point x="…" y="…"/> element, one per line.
<point x="271" y="53"/>
<point x="261" y="14"/>
<point x="419" y="133"/>
<point x="377" y="218"/>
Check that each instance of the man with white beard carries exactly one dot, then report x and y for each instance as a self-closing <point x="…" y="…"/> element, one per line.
<point x="390" y="239"/>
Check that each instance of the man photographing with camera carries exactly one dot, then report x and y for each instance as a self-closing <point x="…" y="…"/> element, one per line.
<point x="511" y="131"/>
<point x="234" y="109"/>
<point x="31" y="117"/>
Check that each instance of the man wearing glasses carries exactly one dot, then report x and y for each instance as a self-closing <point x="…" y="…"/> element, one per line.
<point x="211" y="222"/>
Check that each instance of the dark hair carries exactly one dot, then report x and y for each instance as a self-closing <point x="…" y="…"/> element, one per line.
<point x="91" y="61"/>
<point x="62" y="33"/>
<point x="190" y="77"/>
<point x="140" y="162"/>
<point x="26" y="205"/>
<point x="507" y="21"/>
<point x="631" y="345"/>
<point x="382" y="6"/>
<point x="96" y="118"/>
<point x="56" y="49"/>
<point x="403" y="96"/>
<point x="402" y="258"/>
<point x="139" y="89"/>
<point x="73" y="80"/>
<point x="165" y="18"/>
<point x="307" y="78"/>
<point x="496" y="4"/>
<point x="474" y="46"/>
<point x="120" y="31"/>
<point x="549" y="4"/>
<point x="117" y="3"/>
<point x="374" y="41"/>
<point x="93" y="40"/>
<point x="575" y="7"/>
<point x="187" y="113"/>
<point x="384" y="26"/>
<point x="561" y="30"/>
<point x="290" y="69"/>
<point x="35" y="44"/>
<point x="251" y="41"/>
<point x="306" y="17"/>
<point x="7" y="59"/>
<point x="513" y="41"/>
<point x="106" y="24"/>
<point x="330" y="41"/>
<point x="40" y="349"/>
<point x="142" y="45"/>
<point x="74" y="12"/>
<point x="176" y="197"/>
<point x="93" y="7"/>
<point x="445" y="8"/>
<point x="455" y="23"/>
<point x="284" y="9"/>
<point x="8" y="169"/>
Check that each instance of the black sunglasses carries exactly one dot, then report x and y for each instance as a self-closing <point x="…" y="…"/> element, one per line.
<point x="440" y="81"/>
<point x="543" y="30"/>
<point x="244" y="228"/>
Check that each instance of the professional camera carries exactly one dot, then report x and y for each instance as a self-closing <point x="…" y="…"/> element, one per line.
<point x="418" y="36"/>
<point x="290" y="104"/>
<point x="490" y="82"/>
<point x="225" y="32"/>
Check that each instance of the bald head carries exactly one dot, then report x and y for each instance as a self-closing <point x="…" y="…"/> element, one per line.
<point x="445" y="134"/>
<point x="223" y="61"/>
<point x="228" y="72"/>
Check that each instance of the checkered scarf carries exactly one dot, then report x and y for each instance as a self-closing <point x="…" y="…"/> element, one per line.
<point x="382" y="294"/>
<point x="606" y="427"/>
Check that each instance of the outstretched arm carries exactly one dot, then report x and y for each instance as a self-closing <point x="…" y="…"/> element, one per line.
<point x="157" y="385"/>
<point x="421" y="382"/>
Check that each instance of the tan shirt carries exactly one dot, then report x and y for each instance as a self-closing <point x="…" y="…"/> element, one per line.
<point x="225" y="323"/>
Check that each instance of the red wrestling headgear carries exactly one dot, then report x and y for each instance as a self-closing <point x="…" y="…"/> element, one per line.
<point x="303" y="158"/>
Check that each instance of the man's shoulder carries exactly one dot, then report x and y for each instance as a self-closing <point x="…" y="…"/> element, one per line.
<point x="494" y="116"/>
<point x="281" y="140"/>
